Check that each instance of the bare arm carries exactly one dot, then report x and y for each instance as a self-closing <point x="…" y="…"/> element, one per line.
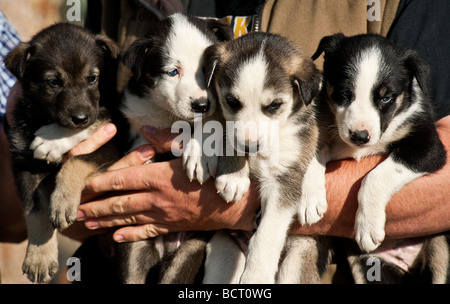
<point x="420" y="208"/>
<point x="159" y="199"/>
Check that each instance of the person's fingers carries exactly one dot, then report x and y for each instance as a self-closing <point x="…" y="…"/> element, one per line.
<point x="160" y="138"/>
<point x="119" y="220"/>
<point x="97" y="139"/>
<point x="138" y="233"/>
<point x="125" y="204"/>
<point x="134" y="158"/>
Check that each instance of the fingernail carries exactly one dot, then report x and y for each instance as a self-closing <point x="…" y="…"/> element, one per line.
<point x="119" y="238"/>
<point x="81" y="215"/>
<point x="149" y="130"/>
<point x="147" y="152"/>
<point x="109" y="130"/>
<point x="91" y="224"/>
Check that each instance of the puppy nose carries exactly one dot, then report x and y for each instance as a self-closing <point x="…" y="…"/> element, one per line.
<point x="200" y="106"/>
<point x="80" y="119"/>
<point x="360" y="137"/>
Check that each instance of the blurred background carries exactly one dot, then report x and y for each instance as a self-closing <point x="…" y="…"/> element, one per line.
<point x="29" y="17"/>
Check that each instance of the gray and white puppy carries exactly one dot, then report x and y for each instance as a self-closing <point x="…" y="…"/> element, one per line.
<point x="263" y="81"/>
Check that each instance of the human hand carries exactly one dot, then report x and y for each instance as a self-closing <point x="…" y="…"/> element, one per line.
<point x="157" y="198"/>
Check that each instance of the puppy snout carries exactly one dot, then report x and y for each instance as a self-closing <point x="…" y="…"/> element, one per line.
<point x="200" y="106"/>
<point x="360" y="137"/>
<point x="80" y="119"/>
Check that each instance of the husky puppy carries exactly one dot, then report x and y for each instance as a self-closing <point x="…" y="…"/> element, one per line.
<point x="168" y="86"/>
<point x="375" y="99"/>
<point x="263" y="81"/>
<point x="64" y="74"/>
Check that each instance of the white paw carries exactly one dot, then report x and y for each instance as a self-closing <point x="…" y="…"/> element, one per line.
<point x="200" y="168"/>
<point x="232" y="186"/>
<point x="52" y="142"/>
<point x="369" y="228"/>
<point x="313" y="206"/>
<point x="41" y="263"/>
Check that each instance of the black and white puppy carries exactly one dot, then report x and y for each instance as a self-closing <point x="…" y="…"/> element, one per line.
<point x="267" y="87"/>
<point x="168" y="86"/>
<point x="64" y="71"/>
<point x="375" y="99"/>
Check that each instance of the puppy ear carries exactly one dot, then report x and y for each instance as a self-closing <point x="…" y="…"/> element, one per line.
<point x="221" y="30"/>
<point x="307" y="83"/>
<point x="16" y="60"/>
<point x="212" y="58"/>
<point x="418" y="69"/>
<point x="328" y="44"/>
<point x="108" y="46"/>
<point x="134" y="57"/>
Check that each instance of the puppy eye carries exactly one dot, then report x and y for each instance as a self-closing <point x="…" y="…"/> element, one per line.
<point x="386" y="99"/>
<point x="55" y="82"/>
<point x="173" y="73"/>
<point x="346" y="93"/>
<point x="92" y="79"/>
<point x="233" y="103"/>
<point x="274" y="106"/>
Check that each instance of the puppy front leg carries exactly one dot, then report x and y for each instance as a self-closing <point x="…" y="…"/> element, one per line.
<point x="71" y="180"/>
<point x="41" y="260"/>
<point x="200" y="165"/>
<point x="376" y="190"/>
<point x="313" y="203"/>
<point x="268" y="241"/>
<point x="53" y="141"/>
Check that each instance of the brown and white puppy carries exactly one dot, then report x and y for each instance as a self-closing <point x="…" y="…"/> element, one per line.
<point x="267" y="88"/>
<point x="64" y="71"/>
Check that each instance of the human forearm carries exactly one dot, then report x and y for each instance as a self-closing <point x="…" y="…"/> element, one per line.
<point x="12" y="227"/>
<point x="420" y="208"/>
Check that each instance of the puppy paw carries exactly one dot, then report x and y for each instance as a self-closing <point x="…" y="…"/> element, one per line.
<point x="41" y="263"/>
<point x="201" y="167"/>
<point x="63" y="208"/>
<point x="313" y="206"/>
<point x="369" y="229"/>
<point x="51" y="143"/>
<point x="232" y="186"/>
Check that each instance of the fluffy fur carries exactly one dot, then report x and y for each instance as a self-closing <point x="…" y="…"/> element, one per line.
<point x="167" y="86"/>
<point x="63" y="74"/>
<point x="375" y="100"/>
<point x="264" y="79"/>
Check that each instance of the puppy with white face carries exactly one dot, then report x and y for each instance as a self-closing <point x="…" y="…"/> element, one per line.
<point x="168" y="82"/>
<point x="264" y="79"/>
<point x="375" y="99"/>
<point x="168" y="86"/>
